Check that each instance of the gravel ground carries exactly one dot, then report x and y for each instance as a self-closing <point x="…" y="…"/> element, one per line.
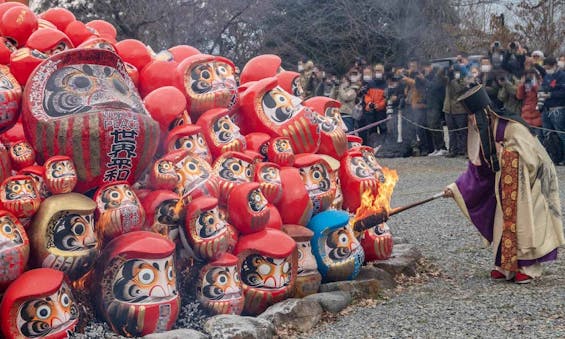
<point x="462" y="301"/>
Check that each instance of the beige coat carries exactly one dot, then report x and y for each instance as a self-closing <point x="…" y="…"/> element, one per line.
<point x="539" y="226"/>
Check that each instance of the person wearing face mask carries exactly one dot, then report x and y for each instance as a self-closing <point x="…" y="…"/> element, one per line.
<point x="551" y="100"/>
<point x="488" y="80"/>
<point x="374" y="104"/>
<point x="346" y="95"/>
<point x="561" y="63"/>
<point x="455" y="113"/>
<point x="508" y="93"/>
<point x="435" y="94"/>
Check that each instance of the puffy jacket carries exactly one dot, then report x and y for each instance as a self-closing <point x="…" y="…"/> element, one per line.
<point x="453" y="90"/>
<point x="376" y="95"/>
<point x="529" y="99"/>
<point x="414" y="94"/>
<point x="507" y="94"/>
<point x="346" y="94"/>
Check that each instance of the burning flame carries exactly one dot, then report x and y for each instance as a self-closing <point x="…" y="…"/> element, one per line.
<point x="371" y="204"/>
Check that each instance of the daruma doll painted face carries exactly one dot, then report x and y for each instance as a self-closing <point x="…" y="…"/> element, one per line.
<point x="316" y="175"/>
<point x="221" y="134"/>
<point x="205" y="228"/>
<point x="19" y="195"/>
<point x="219" y="286"/>
<point x="266" y="107"/>
<point x="60" y="174"/>
<point x="135" y="284"/>
<point x="14" y="248"/>
<point x="207" y="82"/>
<point x="356" y="177"/>
<point x="308" y="278"/>
<point x="82" y="103"/>
<point x="338" y="253"/>
<point x="11" y="93"/>
<point x="269" y="264"/>
<point x="39" y="303"/>
<point x="63" y="236"/>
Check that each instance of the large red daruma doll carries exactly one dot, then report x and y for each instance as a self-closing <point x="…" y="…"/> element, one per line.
<point x="83" y="104"/>
<point x="207" y="82"/>
<point x="135" y="284"/>
<point x="269" y="266"/>
<point x="266" y="107"/>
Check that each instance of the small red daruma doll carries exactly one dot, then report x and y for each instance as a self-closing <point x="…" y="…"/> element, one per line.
<point x="162" y="215"/>
<point x="356" y="177"/>
<point x="37" y="173"/>
<point x="221" y="134"/>
<point x="219" y="286"/>
<point x="18" y="195"/>
<point x="269" y="265"/>
<point x="22" y="154"/>
<point x="280" y="151"/>
<point x="248" y="208"/>
<point x="135" y="285"/>
<point x="60" y="174"/>
<point x="39" y="303"/>
<point x="268" y="175"/>
<point x="14" y="249"/>
<point x="232" y="169"/>
<point x="316" y="175"/>
<point x="377" y="243"/>
<point x="163" y="174"/>
<point x="189" y="137"/>
<point x="10" y="96"/>
<point x="205" y="229"/>
<point x="119" y="210"/>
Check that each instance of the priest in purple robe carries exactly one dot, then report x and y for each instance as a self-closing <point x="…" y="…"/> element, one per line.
<point x="509" y="191"/>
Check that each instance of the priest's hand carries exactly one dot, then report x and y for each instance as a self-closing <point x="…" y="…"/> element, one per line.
<point x="447" y="193"/>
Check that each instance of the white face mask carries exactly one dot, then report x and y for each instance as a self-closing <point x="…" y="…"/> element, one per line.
<point x="550" y="71"/>
<point x="300" y="68"/>
<point x="485" y="68"/>
<point x="561" y="64"/>
<point x="475" y="75"/>
<point x="366" y="77"/>
<point x="354" y="78"/>
<point x="457" y="75"/>
<point x="378" y="75"/>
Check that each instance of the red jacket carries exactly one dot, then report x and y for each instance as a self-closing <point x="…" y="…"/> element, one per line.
<point x="529" y="103"/>
<point x="377" y="97"/>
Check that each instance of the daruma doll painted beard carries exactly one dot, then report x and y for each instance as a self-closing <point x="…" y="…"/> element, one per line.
<point x="219" y="286"/>
<point x="37" y="173"/>
<point x="18" y="195"/>
<point x="333" y="137"/>
<point x="60" y="174"/>
<point x="266" y="107"/>
<point x="118" y="210"/>
<point x="14" y="249"/>
<point x="63" y="236"/>
<point x="135" y="284"/>
<point x="221" y="134"/>
<point x="22" y="154"/>
<point x="316" y="175"/>
<point x="10" y="95"/>
<point x="83" y="104"/>
<point x="338" y="253"/>
<point x="39" y="303"/>
<point x="205" y="229"/>
<point x="207" y="82"/>
<point x="356" y="177"/>
<point x="269" y="266"/>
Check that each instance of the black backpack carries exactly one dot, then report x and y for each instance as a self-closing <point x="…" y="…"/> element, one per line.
<point x="552" y="144"/>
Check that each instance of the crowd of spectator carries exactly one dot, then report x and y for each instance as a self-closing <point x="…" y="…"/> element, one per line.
<point x="420" y="98"/>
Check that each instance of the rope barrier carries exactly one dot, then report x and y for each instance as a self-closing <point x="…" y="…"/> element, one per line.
<point x="435" y="129"/>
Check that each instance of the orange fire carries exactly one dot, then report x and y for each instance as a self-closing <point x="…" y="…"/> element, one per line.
<point x="371" y="204"/>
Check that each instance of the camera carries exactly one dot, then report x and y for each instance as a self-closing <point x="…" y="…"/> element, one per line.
<point x="512" y="45"/>
<point x="389" y="107"/>
<point x="541" y="100"/>
<point x="496" y="44"/>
